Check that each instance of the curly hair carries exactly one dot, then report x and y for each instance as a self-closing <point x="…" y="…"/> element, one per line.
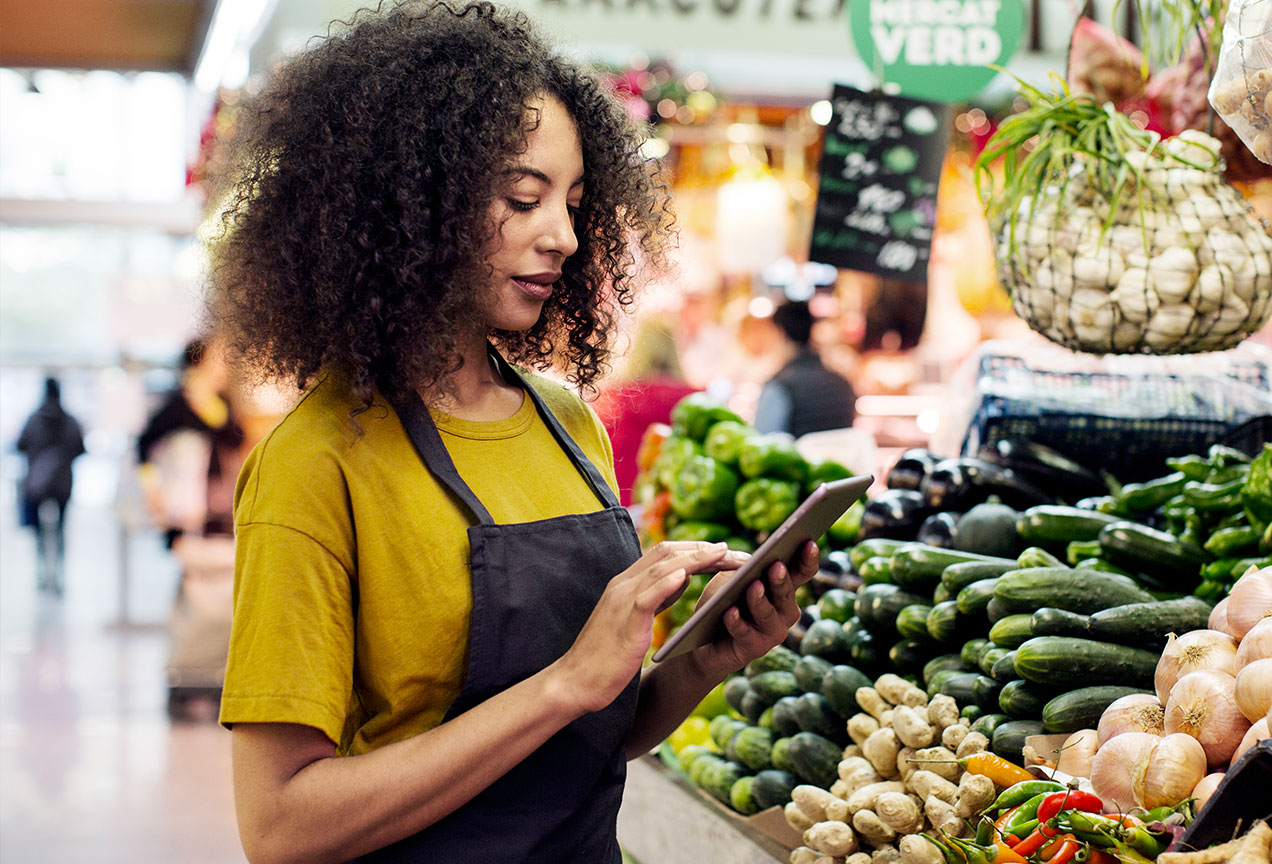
<point x="357" y="198"/>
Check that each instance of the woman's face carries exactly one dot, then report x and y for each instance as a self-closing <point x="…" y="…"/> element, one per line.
<point x="536" y="218"/>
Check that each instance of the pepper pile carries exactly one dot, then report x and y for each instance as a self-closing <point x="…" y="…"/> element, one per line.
<point x="1037" y="821"/>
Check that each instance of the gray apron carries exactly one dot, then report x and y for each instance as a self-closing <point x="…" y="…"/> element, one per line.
<point x="534" y="585"/>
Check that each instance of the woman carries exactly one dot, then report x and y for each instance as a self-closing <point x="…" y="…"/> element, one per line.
<point x="441" y="609"/>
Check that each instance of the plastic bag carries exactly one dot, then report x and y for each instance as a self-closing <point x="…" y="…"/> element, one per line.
<point x="1241" y="91"/>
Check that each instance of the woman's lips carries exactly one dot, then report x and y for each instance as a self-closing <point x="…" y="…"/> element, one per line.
<point x="537" y="290"/>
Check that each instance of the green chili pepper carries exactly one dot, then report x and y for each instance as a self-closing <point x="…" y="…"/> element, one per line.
<point x="1089" y="827"/>
<point x="1019" y="793"/>
<point x="1238" y="519"/>
<point x="1228" y="474"/>
<point x="946" y="850"/>
<point x="1221" y="456"/>
<point x="1026" y="813"/>
<point x="1153" y="493"/>
<point x="1211" y="592"/>
<point x="1256" y="495"/>
<point x="1214" y="497"/>
<point x="1144" y="841"/>
<point x="985" y="831"/>
<point x="1108" y="504"/>
<point x="972" y="853"/>
<point x="1224" y="542"/>
<point x="763" y="504"/>
<point x="1020" y="831"/>
<point x="1193" y="467"/>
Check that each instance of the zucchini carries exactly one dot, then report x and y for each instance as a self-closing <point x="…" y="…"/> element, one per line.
<point x="771" y="686"/>
<point x="1008" y="740"/>
<point x="1050" y="621"/>
<point x="753" y="706"/>
<point x="1169" y="559"/>
<point x="1067" y="662"/>
<point x="837" y="605"/>
<point x="1004" y="669"/>
<point x="996" y="611"/>
<point x="867" y="652"/>
<point x="839" y="686"/>
<point x="875" y="547"/>
<point x="985" y="691"/>
<point x="987" y="723"/>
<point x="878" y="605"/>
<point x="1076" y="590"/>
<point x="908" y="657"/>
<point x="778" y="659"/>
<point x="972" y="651"/>
<point x="1056" y="525"/>
<point x="956" y="577"/>
<point x="781" y="755"/>
<point x="945" y="661"/>
<point x="1082" y="708"/>
<point x="990" y="657"/>
<point x="717" y="777"/>
<point x="773" y="787"/>
<point x="734" y="689"/>
<point x="876" y="571"/>
<point x="1012" y="631"/>
<point x="825" y="639"/>
<point x="960" y="687"/>
<point x="815" y="758"/>
<point x="940" y="594"/>
<point x="1023" y="700"/>
<point x="949" y="626"/>
<point x="722" y="728"/>
<point x="1149" y="623"/>
<point x="785" y="720"/>
<point x="1036" y="556"/>
<point x="973" y="599"/>
<point x="912" y="623"/>
<point x="814" y="713"/>
<point x="919" y="567"/>
<point x="938" y="678"/>
<point x="810" y="671"/>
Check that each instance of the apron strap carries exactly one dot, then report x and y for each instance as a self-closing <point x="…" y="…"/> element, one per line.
<point x="589" y="471"/>
<point x="428" y="443"/>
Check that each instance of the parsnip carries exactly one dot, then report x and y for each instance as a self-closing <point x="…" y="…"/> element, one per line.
<point x="1256" y="846"/>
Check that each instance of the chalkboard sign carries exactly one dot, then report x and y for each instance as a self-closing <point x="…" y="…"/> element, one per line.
<point x="880" y="166"/>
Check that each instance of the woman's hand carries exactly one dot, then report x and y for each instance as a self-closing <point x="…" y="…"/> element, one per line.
<point x="771" y="611"/>
<point x="610" y="649"/>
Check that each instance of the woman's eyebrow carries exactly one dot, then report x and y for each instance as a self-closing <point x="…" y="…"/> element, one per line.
<point x="527" y="171"/>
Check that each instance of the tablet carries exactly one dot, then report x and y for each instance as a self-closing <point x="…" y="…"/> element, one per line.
<point x="809" y="522"/>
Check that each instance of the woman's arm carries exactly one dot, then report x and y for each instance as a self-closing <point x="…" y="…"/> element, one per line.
<point x="297" y="801"/>
<point x="670" y="690"/>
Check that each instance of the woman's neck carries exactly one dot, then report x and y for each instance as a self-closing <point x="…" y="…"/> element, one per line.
<point x="476" y="390"/>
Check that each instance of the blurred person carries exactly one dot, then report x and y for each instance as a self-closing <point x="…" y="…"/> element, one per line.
<point x="50" y="440"/>
<point x="651" y="385"/>
<point x="441" y="608"/>
<point x="804" y="396"/>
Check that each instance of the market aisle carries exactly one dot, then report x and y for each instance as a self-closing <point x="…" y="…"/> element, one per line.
<point x="91" y="768"/>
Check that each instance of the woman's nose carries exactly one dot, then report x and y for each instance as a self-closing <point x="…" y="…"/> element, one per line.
<point x="558" y="235"/>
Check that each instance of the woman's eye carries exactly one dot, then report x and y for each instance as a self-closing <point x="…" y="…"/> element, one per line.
<point x="574" y="209"/>
<point x="522" y="206"/>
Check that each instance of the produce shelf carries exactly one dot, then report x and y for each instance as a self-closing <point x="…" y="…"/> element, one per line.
<point x="664" y="820"/>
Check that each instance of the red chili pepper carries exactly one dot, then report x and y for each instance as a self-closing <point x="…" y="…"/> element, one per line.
<point x="1033" y="842"/>
<point x="1070" y="799"/>
<point x="1002" y="820"/>
<point x="1099" y="856"/>
<point x="1065" y="853"/>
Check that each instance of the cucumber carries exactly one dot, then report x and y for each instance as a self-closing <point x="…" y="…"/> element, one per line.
<point x="836" y="605"/>
<point x="1144" y="624"/>
<point x="872" y="548"/>
<point x="1056" y="525"/>
<point x="773" y="787"/>
<point x="971" y="712"/>
<point x="908" y="657"/>
<point x="972" y="651"/>
<point x="1012" y="631"/>
<point x="996" y="611"/>
<point x="742" y="796"/>
<point x="1067" y="662"/>
<point x="778" y="659"/>
<point x="771" y="686"/>
<point x="1022" y="700"/>
<point x="940" y="594"/>
<point x="752" y="747"/>
<point x="1004" y="670"/>
<point x="717" y="777"/>
<point x="785" y="720"/>
<point x="990" y="657"/>
<point x="809" y="672"/>
<point x="1036" y="556"/>
<point x="912" y="623"/>
<point x="961" y="687"/>
<point x="973" y="599"/>
<point x="781" y="755"/>
<point x="1083" y="590"/>
<point x="987" y="723"/>
<point x="815" y="758"/>
<point x="956" y="577"/>
<point x="1050" y="621"/>
<point x="839" y="686"/>
<point x="1009" y="738"/>
<point x="1169" y="559"/>
<point x="753" y="707"/>
<point x="949" y="626"/>
<point x="944" y="661"/>
<point x="722" y="728"/>
<point x="766" y="719"/>
<point x="985" y="691"/>
<point x="825" y="639"/>
<point x="876" y="571"/>
<point x="815" y="714"/>
<point x="919" y="567"/>
<point x="868" y="653"/>
<point x="933" y="683"/>
<point x="878" y="605"/>
<point x="1082" y="708"/>
<point x="734" y="689"/>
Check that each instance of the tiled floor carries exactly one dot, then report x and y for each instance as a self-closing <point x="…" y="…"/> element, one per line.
<point x="91" y="767"/>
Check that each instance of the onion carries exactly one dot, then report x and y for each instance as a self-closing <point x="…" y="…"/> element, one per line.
<point x="1251" y="601"/>
<point x="1202" y="705"/>
<point x="1138" y="712"/>
<point x="1203" y="790"/>
<point x="1076" y="754"/>
<point x="1253" y="689"/>
<point x="1255" y="734"/>
<point x="1118" y="767"/>
<point x="1219" y="617"/>
<point x="1175" y="766"/>
<point x="1200" y="649"/>
<point x="1256" y="645"/>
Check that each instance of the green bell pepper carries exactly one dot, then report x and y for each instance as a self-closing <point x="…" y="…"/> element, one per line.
<point x="763" y="504"/>
<point x="739" y="544"/>
<point x="675" y="451"/>
<point x="694" y="415"/>
<point x="824" y="471"/>
<point x="725" y="439"/>
<point x="703" y="489"/>
<point x="772" y="456"/>
<point x="707" y="532"/>
<point x="1256" y="494"/>
<point x="843" y="531"/>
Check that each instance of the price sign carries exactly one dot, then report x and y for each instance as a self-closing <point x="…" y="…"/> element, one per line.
<point x="880" y="166"/>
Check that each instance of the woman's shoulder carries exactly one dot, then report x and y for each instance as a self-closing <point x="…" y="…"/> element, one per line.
<point x="566" y="404"/>
<point x="327" y="420"/>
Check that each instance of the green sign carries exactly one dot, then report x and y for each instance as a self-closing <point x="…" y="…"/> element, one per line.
<point x="936" y="49"/>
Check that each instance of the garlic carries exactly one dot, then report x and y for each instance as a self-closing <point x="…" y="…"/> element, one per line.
<point x="1214" y="283"/>
<point x="1127" y="335"/>
<point x="1196" y="147"/>
<point x="1173" y="272"/>
<point x="1199" y="213"/>
<point x="1133" y="296"/>
<point x="1167" y="326"/>
<point x="1077" y="752"/>
<point x="1091" y="315"/>
<point x="1097" y="266"/>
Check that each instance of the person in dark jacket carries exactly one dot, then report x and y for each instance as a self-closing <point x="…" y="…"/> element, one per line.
<point x="804" y="396"/>
<point x="51" y="440"/>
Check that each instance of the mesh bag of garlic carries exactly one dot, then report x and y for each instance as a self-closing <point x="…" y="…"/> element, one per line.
<point x="1174" y="262"/>
<point x="1241" y="90"/>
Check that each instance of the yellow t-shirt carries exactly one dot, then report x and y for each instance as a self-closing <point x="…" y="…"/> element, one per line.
<point x="352" y="595"/>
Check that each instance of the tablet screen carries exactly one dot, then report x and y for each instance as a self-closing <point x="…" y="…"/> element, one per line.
<point x="809" y="522"/>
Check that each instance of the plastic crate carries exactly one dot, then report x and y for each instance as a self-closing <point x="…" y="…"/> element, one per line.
<point x="1126" y="421"/>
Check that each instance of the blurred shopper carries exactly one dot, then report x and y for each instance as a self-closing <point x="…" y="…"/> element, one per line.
<point x="441" y="609"/>
<point x="651" y="386"/>
<point x="51" y="440"/>
<point x="804" y="396"/>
